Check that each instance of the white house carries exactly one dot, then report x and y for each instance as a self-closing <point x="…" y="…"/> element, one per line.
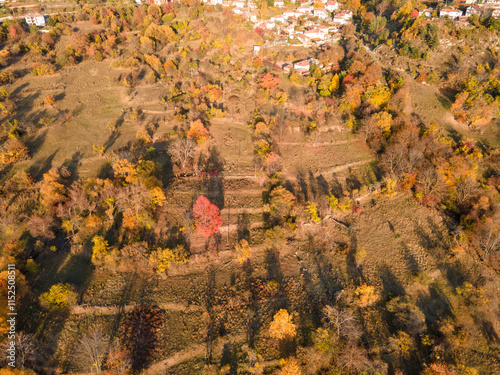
<point x="35" y="19"/>
<point x="314" y="34"/>
<point x="302" y="67"/>
<point x="332" y="6"/>
<point x="279" y="3"/>
<point x="343" y="17"/>
<point x="215" y="2"/>
<point x="238" y="4"/>
<point x="450" y="13"/>
<point x="279" y="19"/>
<point x="470" y="1"/>
<point x="495" y="13"/>
<point x="426" y="12"/>
<point x="320" y="13"/>
<point x="288" y="14"/>
<point x="304" y="39"/>
<point x="474" y="9"/>
<point x="305" y="9"/>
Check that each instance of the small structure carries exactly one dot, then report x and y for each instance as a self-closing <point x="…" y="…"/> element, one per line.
<point x="450" y="13"/>
<point x="495" y="13"/>
<point x="332" y="6"/>
<point x="35" y="19"/>
<point x="320" y="13"/>
<point x="343" y="17"/>
<point x="238" y="4"/>
<point x="279" y="3"/>
<point x="256" y="49"/>
<point x="426" y="12"/>
<point x="474" y="9"/>
<point x="302" y="67"/>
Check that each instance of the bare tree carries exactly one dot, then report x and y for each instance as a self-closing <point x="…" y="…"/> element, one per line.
<point x="489" y="237"/>
<point x="91" y="350"/>
<point x="182" y="152"/>
<point x="466" y="188"/>
<point x="353" y="359"/>
<point x="27" y="350"/>
<point x="343" y="321"/>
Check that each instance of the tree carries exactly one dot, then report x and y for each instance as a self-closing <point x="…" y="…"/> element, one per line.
<point x="242" y="251"/>
<point x="27" y="349"/>
<point x="91" y="350"/>
<point x="281" y="327"/>
<point x="206" y="216"/>
<point x="343" y="321"/>
<point x="182" y="152"/>
<point x="198" y="132"/>
<point x="59" y="297"/>
<point x="489" y="237"/>
<point x="290" y="366"/>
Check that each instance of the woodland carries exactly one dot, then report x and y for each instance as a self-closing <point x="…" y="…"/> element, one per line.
<point x="175" y="203"/>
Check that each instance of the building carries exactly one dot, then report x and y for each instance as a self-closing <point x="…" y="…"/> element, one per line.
<point x="238" y="4"/>
<point x="256" y="49"/>
<point x="314" y="34"/>
<point x="305" y="9"/>
<point x="474" y="9"/>
<point x="279" y="3"/>
<point x="495" y="13"/>
<point x="343" y="17"/>
<point x="426" y="12"/>
<point x="450" y="13"/>
<point x="332" y="6"/>
<point x="302" y="67"/>
<point x="35" y="19"/>
<point x="320" y="13"/>
<point x="303" y="38"/>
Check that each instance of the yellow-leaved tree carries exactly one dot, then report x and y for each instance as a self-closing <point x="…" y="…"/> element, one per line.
<point x="282" y="327"/>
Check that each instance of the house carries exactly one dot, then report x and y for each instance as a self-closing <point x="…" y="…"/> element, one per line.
<point x="302" y="67"/>
<point x="426" y="12"/>
<point x="279" y="3"/>
<point x="288" y="14"/>
<point x="495" y="13"/>
<point x="470" y="1"/>
<point x="450" y="13"/>
<point x="269" y="25"/>
<point x="256" y="49"/>
<point x="323" y="29"/>
<point x="284" y="67"/>
<point x="35" y="19"/>
<point x="303" y="38"/>
<point x="474" y="9"/>
<point x="278" y="19"/>
<point x="215" y="2"/>
<point x="305" y="9"/>
<point x="320" y="13"/>
<point x="314" y="34"/>
<point x="343" y="17"/>
<point x="332" y="6"/>
<point x="238" y="4"/>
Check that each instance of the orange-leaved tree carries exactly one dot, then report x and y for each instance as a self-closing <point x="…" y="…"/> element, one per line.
<point x="206" y="216"/>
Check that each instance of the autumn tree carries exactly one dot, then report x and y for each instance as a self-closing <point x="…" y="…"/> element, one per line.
<point x="206" y="216"/>
<point x="197" y="132"/>
<point x="282" y="327"/>
<point x="59" y="297"/>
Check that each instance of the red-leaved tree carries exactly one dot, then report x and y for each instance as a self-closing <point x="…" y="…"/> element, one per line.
<point x="206" y="216"/>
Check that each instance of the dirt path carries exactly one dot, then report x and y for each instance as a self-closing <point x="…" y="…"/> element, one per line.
<point x="336" y="169"/>
<point x="312" y="144"/>
<point x="112" y="310"/>
<point x="194" y="350"/>
<point x="234" y="227"/>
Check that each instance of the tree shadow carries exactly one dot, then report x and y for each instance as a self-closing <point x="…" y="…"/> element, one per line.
<point x="302" y="193"/>
<point x="38" y="169"/>
<point x="455" y="135"/>
<point x="352" y="183"/>
<point x="72" y="166"/>
<point x="19" y="88"/>
<point x="230" y="358"/>
<point x="390" y="282"/>
<point x="35" y="142"/>
<point x="273" y="265"/>
<point x="243" y="226"/>
<point x="214" y="191"/>
<point x="336" y="188"/>
<point x="323" y="184"/>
